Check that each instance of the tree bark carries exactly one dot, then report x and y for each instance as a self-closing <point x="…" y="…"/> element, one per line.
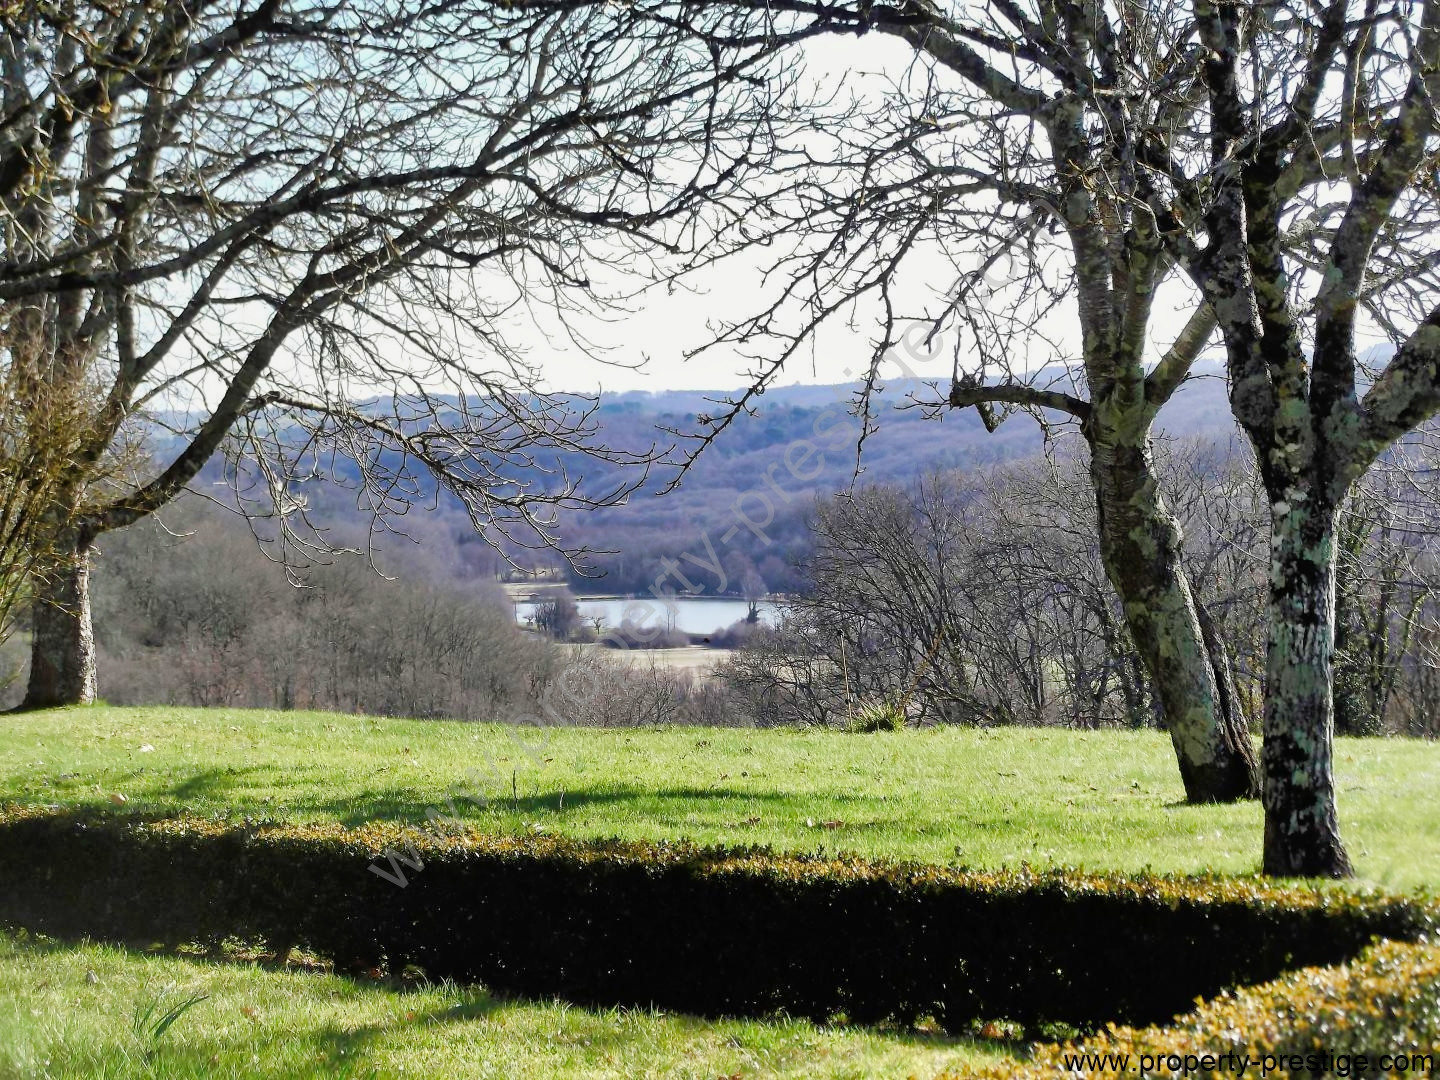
<point x="1141" y="545"/>
<point x="62" y="649"/>
<point x="1355" y="712"/>
<point x="1302" y="831"/>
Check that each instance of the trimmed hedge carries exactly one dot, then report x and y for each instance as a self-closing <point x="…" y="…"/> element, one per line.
<point x="1385" y="1002"/>
<point x="701" y="930"/>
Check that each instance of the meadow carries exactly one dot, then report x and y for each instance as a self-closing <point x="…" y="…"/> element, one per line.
<point x="1103" y="800"/>
<point x="1106" y="800"/>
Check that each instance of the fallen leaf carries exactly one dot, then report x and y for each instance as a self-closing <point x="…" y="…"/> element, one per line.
<point x="118" y="799"/>
<point x="250" y="1012"/>
<point x="836" y="824"/>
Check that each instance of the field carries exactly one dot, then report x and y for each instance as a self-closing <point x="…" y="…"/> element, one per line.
<point x="700" y="659"/>
<point x="1101" y="800"/>
<point x="985" y="798"/>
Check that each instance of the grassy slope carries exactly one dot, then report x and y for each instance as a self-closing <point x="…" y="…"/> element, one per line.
<point x="1102" y="800"/>
<point x="70" y="1011"/>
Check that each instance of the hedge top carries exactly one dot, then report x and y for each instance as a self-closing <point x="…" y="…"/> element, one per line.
<point x="447" y="841"/>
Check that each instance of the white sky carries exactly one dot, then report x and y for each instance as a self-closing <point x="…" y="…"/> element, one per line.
<point x="664" y="325"/>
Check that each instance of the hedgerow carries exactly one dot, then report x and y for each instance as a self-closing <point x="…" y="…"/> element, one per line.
<point x="703" y="930"/>
<point x="1316" y="1021"/>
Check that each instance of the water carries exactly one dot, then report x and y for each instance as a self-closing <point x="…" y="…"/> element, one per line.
<point x="689" y="614"/>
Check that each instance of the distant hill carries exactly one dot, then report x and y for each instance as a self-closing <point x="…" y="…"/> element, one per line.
<point x="745" y="475"/>
<point x="748" y="493"/>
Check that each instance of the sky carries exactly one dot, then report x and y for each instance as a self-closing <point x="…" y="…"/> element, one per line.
<point x="663" y="326"/>
<point x="647" y="347"/>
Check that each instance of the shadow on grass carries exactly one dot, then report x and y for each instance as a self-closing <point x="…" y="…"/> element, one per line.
<point x="27" y="941"/>
<point x="336" y="1049"/>
<point x="407" y="805"/>
<point x="214" y="783"/>
<point x="349" y="1050"/>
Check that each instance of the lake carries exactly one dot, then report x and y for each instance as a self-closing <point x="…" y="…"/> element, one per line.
<point x="689" y="614"/>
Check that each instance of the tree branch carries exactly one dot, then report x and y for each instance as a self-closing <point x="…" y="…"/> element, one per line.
<point x="207" y="439"/>
<point x="1406" y="394"/>
<point x="966" y="392"/>
<point x="1175" y="365"/>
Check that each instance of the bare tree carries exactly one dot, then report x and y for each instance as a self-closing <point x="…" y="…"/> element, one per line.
<point x="746" y="579"/>
<point x="976" y="598"/>
<point x="1385" y="593"/>
<point x="557" y="615"/>
<point x="880" y="611"/>
<point x="1300" y="194"/>
<point x="990" y="152"/>
<point x="313" y="231"/>
<point x="776" y="681"/>
<point x="1376" y="601"/>
<point x="1221" y="506"/>
<point x="1279" y="161"/>
<point x="1042" y="548"/>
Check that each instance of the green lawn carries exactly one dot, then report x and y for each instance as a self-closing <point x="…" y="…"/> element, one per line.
<point x="79" y="1011"/>
<point x="1102" y="800"/>
<point x="1107" y="800"/>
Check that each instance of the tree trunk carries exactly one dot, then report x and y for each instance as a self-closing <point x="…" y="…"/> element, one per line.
<point x="1302" y="831"/>
<point x="1140" y="543"/>
<point x="1356" y="702"/>
<point x="62" y="650"/>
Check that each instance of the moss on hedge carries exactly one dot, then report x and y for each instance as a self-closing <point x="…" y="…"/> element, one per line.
<point x="704" y="930"/>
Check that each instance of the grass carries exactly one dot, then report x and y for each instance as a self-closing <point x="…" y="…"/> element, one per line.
<point x="1102" y="800"/>
<point x="71" y="1011"/>
<point x="1107" y="800"/>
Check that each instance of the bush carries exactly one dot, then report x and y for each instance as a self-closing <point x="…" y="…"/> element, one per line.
<point x="735" y="635"/>
<point x="1386" y="1002"/>
<point x="701" y="930"/>
<point x="633" y="635"/>
<point x="874" y="716"/>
